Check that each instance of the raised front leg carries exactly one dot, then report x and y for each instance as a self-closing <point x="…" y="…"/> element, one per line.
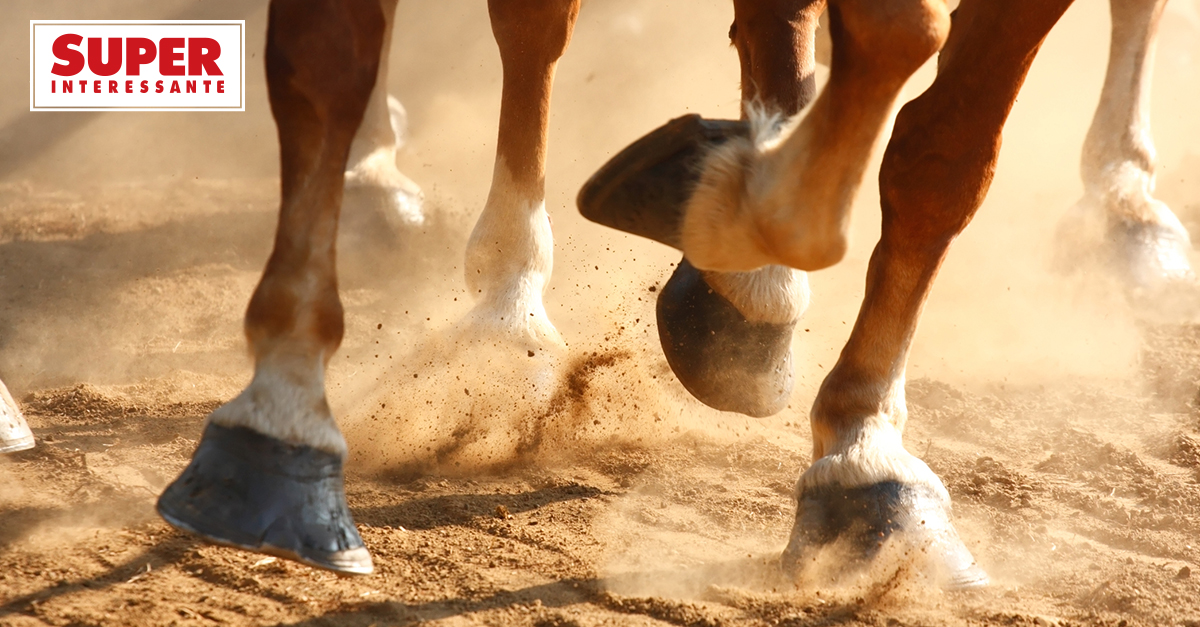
<point x="267" y="474"/>
<point x="863" y="486"/>
<point x="728" y="335"/>
<point x="1135" y="234"/>
<point x="774" y="192"/>
<point x="14" y="431"/>
<point x="510" y="253"/>
<point x="374" y="185"/>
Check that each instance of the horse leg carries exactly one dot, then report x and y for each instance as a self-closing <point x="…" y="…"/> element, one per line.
<point x="736" y="197"/>
<point x="1144" y="242"/>
<point x="14" y="431"/>
<point x="728" y="335"/>
<point x="864" y="486"/>
<point x="267" y="474"/>
<point x="373" y="182"/>
<point x="510" y="253"/>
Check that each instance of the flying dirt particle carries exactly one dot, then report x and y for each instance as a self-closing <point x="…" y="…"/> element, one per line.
<point x="653" y="288"/>
<point x="466" y="391"/>
<point x="379" y="326"/>
<point x="531" y="353"/>
<point x="1184" y="573"/>
<point x="502" y="512"/>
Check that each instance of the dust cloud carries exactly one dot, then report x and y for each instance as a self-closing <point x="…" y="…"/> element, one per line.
<point x="131" y="242"/>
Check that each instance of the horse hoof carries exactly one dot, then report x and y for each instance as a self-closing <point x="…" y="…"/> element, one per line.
<point x="862" y="518"/>
<point x="644" y="189"/>
<point x="250" y="491"/>
<point x="1151" y="255"/>
<point x="14" y="431"/>
<point x="724" y="360"/>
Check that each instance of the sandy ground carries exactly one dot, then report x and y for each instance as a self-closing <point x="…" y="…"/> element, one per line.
<point x="1066" y="428"/>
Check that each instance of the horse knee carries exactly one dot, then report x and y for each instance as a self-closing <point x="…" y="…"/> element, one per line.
<point x="910" y="31"/>
<point x="540" y="29"/>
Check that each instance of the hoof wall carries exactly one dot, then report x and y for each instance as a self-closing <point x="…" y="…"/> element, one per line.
<point x="645" y="188"/>
<point x="250" y="491"/>
<point x="861" y="519"/>
<point x="1150" y="255"/>
<point x="14" y="431"/>
<point x="724" y="360"/>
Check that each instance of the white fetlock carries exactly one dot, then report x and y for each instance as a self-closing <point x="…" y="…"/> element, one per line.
<point x="771" y="294"/>
<point x="509" y="260"/>
<point x="285" y="401"/>
<point x="870" y="454"/>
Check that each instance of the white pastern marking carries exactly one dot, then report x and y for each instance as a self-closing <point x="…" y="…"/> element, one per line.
<point x="285" y="401"/>
<point x="772" y="294"/>
<point x="509" y="260"/>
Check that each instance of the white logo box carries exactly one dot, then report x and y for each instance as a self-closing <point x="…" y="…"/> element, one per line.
<point x="150" y="89"/>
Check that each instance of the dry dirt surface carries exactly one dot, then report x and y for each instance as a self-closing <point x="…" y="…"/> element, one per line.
<point x="585" y="488"/>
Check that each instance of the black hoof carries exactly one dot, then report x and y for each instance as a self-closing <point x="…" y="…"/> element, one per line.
<point x="253" y="492"/>
<point x="862" y="519"/>
<point x="1150" y="256"/>
<point x="644" y="189"/>
<point x="724" y="360"/>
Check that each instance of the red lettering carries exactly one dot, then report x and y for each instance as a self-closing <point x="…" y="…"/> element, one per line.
<point x="220" y="87"/>
<point x="53" y="82"/>
<point x="96" y="56"/>
<point x="83" y="87"/>
<point x="206" y="83"/>
<point x="68" y="87"/>
<point x="112" y="87"/>
<point x="168" y="54"/>
<point x="96" y="88"/>
<point x="129" y="87"/>
<point x="138" y="52"/>
<point x="203" y="53"/>
<point x="191" y="87"/>
<point x="175" y="87"/>
<point x="158" y="87"/>
<point x="145" y="86"/>
<point x="64" y="52"/>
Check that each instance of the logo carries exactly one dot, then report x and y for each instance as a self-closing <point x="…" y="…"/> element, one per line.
<point x="137" y="65"/>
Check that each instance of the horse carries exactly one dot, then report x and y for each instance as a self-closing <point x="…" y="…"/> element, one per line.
<point x="753" y="204"/>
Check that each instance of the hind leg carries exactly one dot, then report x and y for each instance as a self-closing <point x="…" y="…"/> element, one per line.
<point x="267" y="474"/>
<point x="14" y="431"/>
<point x="1135" y="234"/>
<point x="374" y="185"/>
<point x="863" y="486"/>
<point x="510" y="254"/>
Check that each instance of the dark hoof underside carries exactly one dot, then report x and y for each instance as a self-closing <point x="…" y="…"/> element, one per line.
<point x="250" y="491"/>
<point x="724" y="360"/>
<point x="861" y="519"/>
<point x="644" y="189"/>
